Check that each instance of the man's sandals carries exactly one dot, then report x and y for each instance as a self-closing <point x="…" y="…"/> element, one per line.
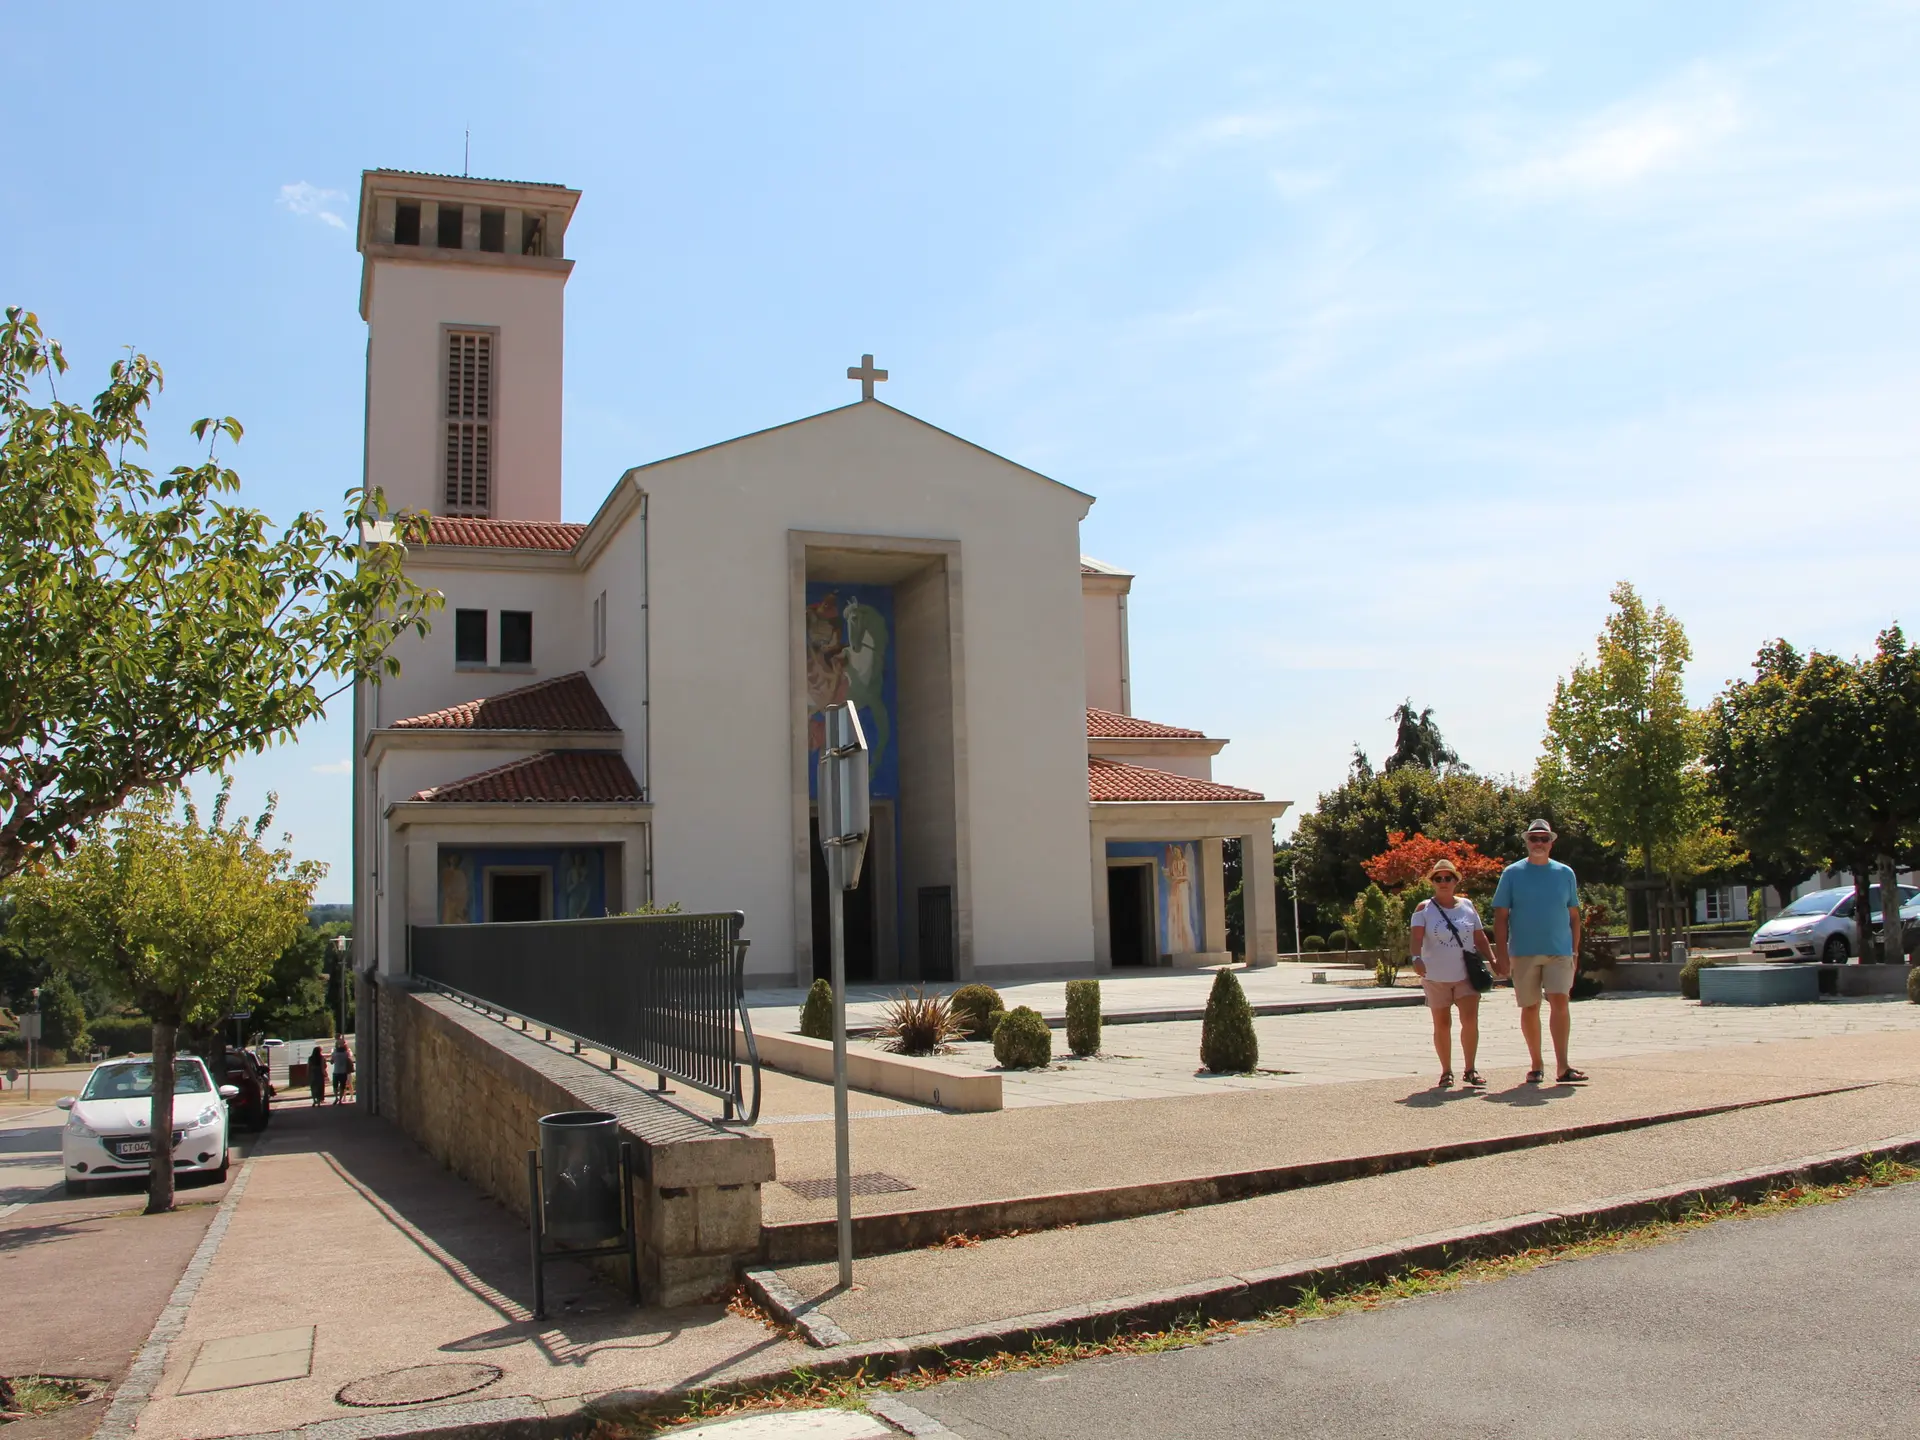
<point x="1568" y="1076"/>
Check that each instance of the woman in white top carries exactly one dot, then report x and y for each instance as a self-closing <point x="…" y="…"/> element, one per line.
<point x="1442" y="929"/>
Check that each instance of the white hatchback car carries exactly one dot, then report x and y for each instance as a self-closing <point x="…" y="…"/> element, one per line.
<point x="1819" y="925"/>
<point x="107" y="1130"/>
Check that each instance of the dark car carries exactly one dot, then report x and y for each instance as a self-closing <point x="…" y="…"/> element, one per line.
<point x="253" y="1106"/>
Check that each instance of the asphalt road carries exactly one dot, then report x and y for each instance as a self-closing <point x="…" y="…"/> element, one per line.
<point x="1800" y="1324"/>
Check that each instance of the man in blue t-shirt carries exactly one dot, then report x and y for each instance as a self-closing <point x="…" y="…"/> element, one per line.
<point x="1536" y="939"/>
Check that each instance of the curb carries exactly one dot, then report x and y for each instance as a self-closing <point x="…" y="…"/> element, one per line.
<point x="1224" y="1297"/>
<point x="797" y="1242"/>
<point x="1199" y="1012"/>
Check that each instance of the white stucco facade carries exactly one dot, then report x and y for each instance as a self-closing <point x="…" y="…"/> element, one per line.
<point x="652" y="742"/>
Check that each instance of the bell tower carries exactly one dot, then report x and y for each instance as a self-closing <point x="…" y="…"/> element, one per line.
<point x="463" y="288"/>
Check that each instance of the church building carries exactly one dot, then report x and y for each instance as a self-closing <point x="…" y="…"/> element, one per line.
<point x="627" y="712"/>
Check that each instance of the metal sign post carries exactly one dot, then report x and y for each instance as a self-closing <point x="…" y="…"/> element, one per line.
<point x="30" y="1027"/>
<point x="844" y="823"/>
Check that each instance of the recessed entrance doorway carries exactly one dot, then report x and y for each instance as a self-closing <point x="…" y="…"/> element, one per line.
<point x="1130" y="915"/>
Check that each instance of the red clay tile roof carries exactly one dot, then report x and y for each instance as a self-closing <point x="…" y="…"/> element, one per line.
<point x="1111" y="725"/>
<point x="565" y="703"/>
<point x="1112" y="780"/>
<point x="471" y="530"/>
<point x="552" y="777"/>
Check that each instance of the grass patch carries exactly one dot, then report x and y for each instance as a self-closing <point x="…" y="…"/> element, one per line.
<point x="806" y="1389"/>
<point x="23" y="1397"/>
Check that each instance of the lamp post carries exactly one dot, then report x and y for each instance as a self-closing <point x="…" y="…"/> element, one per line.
<point x="844" y="823"/>
<point x="342" y="946"/>
<point x="1293" y="889"/>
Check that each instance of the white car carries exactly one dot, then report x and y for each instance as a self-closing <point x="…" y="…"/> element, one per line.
<point x="107" y="1122"/>
<point x="1819" y="925"/>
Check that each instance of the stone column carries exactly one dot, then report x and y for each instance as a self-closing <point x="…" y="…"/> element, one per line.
<point x="1256" y="890"/>
<point x="1213" y="897"/>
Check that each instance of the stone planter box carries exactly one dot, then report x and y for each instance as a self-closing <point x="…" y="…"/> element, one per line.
<point x="1759" y="985"/>
<point x="926" y="1080"/>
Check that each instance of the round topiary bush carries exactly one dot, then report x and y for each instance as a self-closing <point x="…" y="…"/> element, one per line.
<point x="816" y="1016"/>
<point x="1022" y="1041"/>
<point x="1083" y="1017"/>
<point x="1312" y="943"/>
<point x="1913" y="983"/>
<point x="1690" y="976"/>
<point x="1337" y="940"/>
<point x="974" y="1006"/>
<point x="1227" y="1042"/>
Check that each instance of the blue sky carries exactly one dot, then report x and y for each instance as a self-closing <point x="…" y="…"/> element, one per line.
<point x="1389" y="336"/>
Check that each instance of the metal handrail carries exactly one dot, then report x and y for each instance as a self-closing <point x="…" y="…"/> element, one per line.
<point x="674" y="1012"/>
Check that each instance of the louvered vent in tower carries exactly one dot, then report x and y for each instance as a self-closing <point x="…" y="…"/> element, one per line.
<point x="469" y="480"/>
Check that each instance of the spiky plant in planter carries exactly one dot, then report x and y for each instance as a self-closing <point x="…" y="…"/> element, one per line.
<point x="1083" y="1017"/>
<point x="1228" y="1045"/>
<point x="816" y="1016"/>
<point x="919" y="1024"/>
<point x="1913" y="983"/>
<point x="1022" y="1041"/>
<point x="975" y="1007"/>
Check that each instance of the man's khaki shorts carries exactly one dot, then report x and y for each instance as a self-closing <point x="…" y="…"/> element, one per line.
<point x="1533" y="974"/>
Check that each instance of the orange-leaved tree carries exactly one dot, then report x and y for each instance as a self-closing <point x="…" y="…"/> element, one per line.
<point x="1408" y="858"/>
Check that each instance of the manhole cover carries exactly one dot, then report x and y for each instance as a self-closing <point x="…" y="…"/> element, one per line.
<point x="873" y="1183"/>
<point x="417" y="1384"/>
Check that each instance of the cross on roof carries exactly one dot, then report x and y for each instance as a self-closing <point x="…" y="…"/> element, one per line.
<point x="866" y="375"/>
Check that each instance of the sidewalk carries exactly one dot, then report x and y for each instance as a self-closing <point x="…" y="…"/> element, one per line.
<point x="350" y="1255"/>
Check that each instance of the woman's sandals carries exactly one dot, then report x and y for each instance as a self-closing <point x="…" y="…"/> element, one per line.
<point x="1473" y="1080"/>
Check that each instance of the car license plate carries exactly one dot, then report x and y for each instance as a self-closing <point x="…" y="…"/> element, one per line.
<point x="134" y="1147"/>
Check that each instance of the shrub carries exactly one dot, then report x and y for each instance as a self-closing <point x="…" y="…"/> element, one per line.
<point x="1690" y="976"/>
<point x="816" y="1016"/>
<point x="122" y="1034"/>
<point x="975" y="1006"/>
<point x="1083" y="1017"/>
<point x="1227" y="1042"/>
<point x="1913" y="983"/>
<point x="1386" y="969"/>
<point x="1022" y="1041"/>
<point x="63" y="1020"/>
<point x="918" y="1024"/>
<point x="1312" y="943"/>
<point x="1337" y="940"/>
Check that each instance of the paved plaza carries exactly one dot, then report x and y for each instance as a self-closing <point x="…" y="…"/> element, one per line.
<point x="1147" y="1061"/>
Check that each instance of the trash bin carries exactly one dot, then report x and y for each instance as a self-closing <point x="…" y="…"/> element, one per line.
<point x="580" y="1166"/>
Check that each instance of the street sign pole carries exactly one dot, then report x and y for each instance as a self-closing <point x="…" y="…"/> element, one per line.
<point x="844" y="822"/>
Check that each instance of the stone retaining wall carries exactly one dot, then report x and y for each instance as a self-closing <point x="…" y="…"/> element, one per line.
<point x="471" y="1090"/>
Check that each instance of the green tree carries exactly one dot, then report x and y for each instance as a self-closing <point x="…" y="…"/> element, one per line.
<point x="293" y="1003"/>
<point x="183" y="917"/>
<point x="1621" y="743"/>
<point x="63" y="1019"/>
<point x="1821" y="755"/>
<point x="1417" y="740"/>
<point x="149" y="628"/>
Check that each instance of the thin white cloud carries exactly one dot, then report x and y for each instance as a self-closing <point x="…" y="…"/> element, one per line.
<point x="334" y="767"/>
<point x="303" y="199"/>
<point x="1629" y="142"/>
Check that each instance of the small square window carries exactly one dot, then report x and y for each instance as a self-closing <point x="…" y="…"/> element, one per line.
<point x="470" y="637"/>
<point x="516" y="637"/>
<point x="451" y="218"/>
<point x="406" y="223"/>
<point x="493" y="230"/>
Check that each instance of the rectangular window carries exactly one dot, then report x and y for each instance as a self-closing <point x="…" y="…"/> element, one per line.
<point x="406" y="223"/>
<point x="470" y="637"/>
<point x="516" y="637"/>
<point x="599" y="627"/>
<point x="469" y="419"/>
<point x="451" y="218"/>
<point x="493" y="230"/>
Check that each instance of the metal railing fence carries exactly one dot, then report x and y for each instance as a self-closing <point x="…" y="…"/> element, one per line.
<point x="664" y="992"/>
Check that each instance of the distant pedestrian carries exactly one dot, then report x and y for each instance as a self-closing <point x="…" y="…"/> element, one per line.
<point x="317" y="1075"/>
<point x="342" y="1069"/>
<point x="1445" y="931"/>
<point x="1536" y="937"/>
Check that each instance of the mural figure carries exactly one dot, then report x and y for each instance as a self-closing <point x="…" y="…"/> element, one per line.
<point x="579" y="886"/>
<point x="826" y="665"/>
<point x="866" y="661"/>
<point x="1177" y="865"/>
<point x="456" y="889"/>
